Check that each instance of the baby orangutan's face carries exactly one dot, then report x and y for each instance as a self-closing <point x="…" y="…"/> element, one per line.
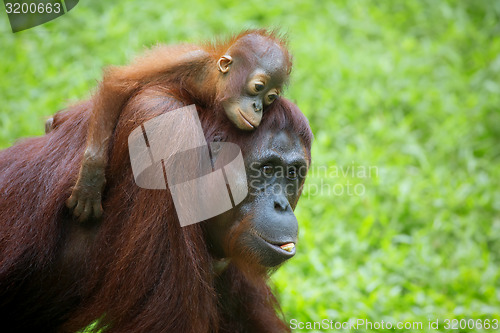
<point x="261" y="88"/>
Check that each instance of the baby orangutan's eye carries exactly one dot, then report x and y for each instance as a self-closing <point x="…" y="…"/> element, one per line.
<point x="256" y="86"/>
<point x="271" y="96"/>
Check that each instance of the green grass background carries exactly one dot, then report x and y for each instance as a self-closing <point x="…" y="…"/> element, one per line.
<point x="411" y="88"/>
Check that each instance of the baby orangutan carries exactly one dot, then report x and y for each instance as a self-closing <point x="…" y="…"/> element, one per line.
<point x="229" y="82"/>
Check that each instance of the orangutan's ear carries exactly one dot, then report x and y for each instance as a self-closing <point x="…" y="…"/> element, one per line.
<point x="223" y="63"/>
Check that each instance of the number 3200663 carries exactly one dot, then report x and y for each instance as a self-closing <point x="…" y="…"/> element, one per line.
<point x="32" y="8"/>
<point x="472" y="324"/>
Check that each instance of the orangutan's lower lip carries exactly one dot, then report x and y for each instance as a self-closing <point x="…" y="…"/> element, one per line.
<point x="246" y="120"/>
<point x="284" y="247"/>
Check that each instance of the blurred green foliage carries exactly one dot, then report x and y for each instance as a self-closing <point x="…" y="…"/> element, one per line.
<point x="411" y="88"/>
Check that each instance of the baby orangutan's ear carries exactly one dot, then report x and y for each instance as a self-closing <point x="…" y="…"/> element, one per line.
<point x="223" y="63"/>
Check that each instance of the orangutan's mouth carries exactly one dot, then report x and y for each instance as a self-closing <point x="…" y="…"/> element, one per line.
<point x="248" y="122"/>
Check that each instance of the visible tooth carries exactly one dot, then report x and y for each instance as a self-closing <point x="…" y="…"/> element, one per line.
<point x="288" y="247"/>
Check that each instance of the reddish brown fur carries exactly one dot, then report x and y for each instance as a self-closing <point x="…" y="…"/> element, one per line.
<point x="137" y="270"/>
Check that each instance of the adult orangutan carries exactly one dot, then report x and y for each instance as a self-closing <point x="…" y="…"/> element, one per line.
<point x="232" y="82"/>
<point x="138" y="270"/>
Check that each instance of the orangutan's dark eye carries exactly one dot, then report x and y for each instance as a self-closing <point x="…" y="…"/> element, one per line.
<point x="267" y="170"/>
<point x="292" y="173"/>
